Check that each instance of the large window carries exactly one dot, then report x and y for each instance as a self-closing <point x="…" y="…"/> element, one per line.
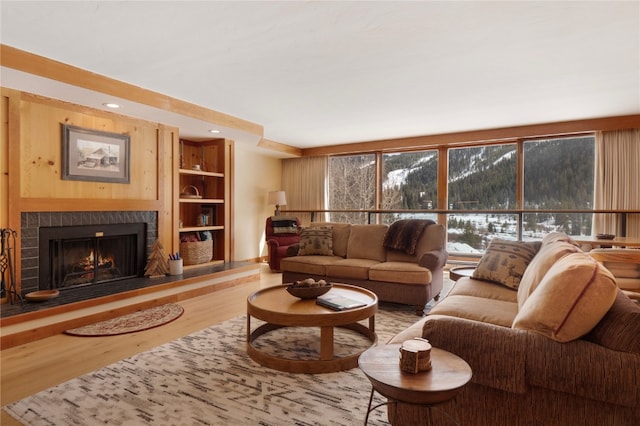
<point x="482" y="189"/>
<point x="471" y="233"/>
<point x="558" y="175"/>
<point x="352" y="186"/>
<point x="481" y="178"/>
<point x="409" y="182"/>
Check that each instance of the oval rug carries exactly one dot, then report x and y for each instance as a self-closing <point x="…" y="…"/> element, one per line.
<point x="130" y="323"/>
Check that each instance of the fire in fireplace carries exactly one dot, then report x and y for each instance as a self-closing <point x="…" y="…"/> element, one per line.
<point x="72" y="256"/>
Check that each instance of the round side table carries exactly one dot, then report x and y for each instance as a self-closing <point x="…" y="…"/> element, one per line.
<point x="381" y="365"/>
<point x="461" y="271"/>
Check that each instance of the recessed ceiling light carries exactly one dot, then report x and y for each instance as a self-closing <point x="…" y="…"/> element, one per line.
<point x="214" y="131"/>
<point x="111" y="105"/>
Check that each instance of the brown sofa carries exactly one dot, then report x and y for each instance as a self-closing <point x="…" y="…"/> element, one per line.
<point x="356" y="254"/>
<point x="561" y="349"/>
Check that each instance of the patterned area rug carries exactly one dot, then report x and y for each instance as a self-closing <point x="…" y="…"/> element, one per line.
<point x="130" y="323"/>
<point x="206" y="378"/>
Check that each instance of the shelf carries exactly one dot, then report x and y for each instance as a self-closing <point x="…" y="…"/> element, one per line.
<point x="200" y="173"/>
<point x="201" y="228"/>
<point x="212" y="183"/>
<point x="202" y="200"/>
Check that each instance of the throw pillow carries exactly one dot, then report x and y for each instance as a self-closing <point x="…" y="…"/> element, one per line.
<point x="571" y="299"/>
<point x="555" y="236"/>
<point x="317" y="240"/>
<point x="504" y="262"/>
<point x="547" y="256"/>
<point x="340" y="236"/>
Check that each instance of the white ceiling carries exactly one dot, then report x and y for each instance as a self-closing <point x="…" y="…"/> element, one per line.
<point x="325" y="73"/>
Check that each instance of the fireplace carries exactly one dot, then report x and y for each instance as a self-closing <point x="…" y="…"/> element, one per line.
<point x="73" y="256"/>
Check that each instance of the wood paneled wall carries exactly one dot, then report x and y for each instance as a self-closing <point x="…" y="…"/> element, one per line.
<point x="32" y="151"/>
<point x="41" y="153"/>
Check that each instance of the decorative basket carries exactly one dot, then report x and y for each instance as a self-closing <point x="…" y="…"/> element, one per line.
<point x="196" y="252"/>
<point x="186" y="194"/>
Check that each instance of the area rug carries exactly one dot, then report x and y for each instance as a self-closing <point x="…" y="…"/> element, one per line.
<point x="207" y="378"/>
<point x="130" y="323"/>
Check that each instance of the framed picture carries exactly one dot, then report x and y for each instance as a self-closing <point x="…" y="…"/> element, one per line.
<point x="94" y="155"/>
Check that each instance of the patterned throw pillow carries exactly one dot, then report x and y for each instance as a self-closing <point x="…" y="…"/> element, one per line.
<point x="505" y="261"/>
<point x="316" y="240"/>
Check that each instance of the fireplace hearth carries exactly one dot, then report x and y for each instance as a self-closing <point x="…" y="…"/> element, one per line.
<point x="73" y="256"/>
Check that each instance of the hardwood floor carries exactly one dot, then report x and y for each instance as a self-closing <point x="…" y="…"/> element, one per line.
<point x="35" y="366"/>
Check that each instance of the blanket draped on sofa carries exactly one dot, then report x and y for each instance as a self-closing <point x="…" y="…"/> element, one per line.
<point x="403" y="235"/>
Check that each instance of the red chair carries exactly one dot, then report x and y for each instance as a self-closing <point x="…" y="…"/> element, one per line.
<point x="280" y="233"/>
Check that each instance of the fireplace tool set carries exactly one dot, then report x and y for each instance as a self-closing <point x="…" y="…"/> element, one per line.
<point x="7" y="264"/>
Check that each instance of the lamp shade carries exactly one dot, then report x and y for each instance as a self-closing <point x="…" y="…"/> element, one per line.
<point x="277" y="198"/>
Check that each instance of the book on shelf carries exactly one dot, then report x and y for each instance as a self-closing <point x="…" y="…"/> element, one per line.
<point x="338" y="302"/>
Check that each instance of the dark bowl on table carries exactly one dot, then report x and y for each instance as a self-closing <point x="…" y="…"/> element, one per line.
<point x="605" y="236"/>
<point x="308" y="292"/>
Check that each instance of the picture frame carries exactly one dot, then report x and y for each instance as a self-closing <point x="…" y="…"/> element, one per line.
<point x="94" y="155"/>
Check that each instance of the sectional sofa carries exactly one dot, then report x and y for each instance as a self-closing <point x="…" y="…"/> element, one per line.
<point x="548" y="334"/>
<point x="400" y="263"/>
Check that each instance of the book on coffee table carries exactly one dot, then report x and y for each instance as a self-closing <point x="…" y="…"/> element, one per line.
<point x="338" y="302"/>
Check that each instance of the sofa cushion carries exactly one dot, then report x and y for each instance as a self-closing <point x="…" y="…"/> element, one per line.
<point x="619" y="329"/>
<point x="466" y="286"/>
<point x="504" y="262"/>
<point x="497" y="312"/>
<point x="312" y="265"/>
<point x="365" y="242"/>
<point x="400" y="272"/>
<point x="316" y="240"/>
<point x="540" y="265"/>
<point x="350" y="268"/>
<point x="340" y="236"/>
<point x="570" y="300"/>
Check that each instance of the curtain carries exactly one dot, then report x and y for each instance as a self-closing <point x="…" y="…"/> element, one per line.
<point x="304" y="181"/>
<point x="617" y="181"/>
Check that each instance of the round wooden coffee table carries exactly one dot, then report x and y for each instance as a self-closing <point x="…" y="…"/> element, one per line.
<point x="277" y="308"/>
<point x="381" y="365"/>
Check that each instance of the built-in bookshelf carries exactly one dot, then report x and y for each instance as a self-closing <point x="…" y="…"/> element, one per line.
<point x="203" y="170"/>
